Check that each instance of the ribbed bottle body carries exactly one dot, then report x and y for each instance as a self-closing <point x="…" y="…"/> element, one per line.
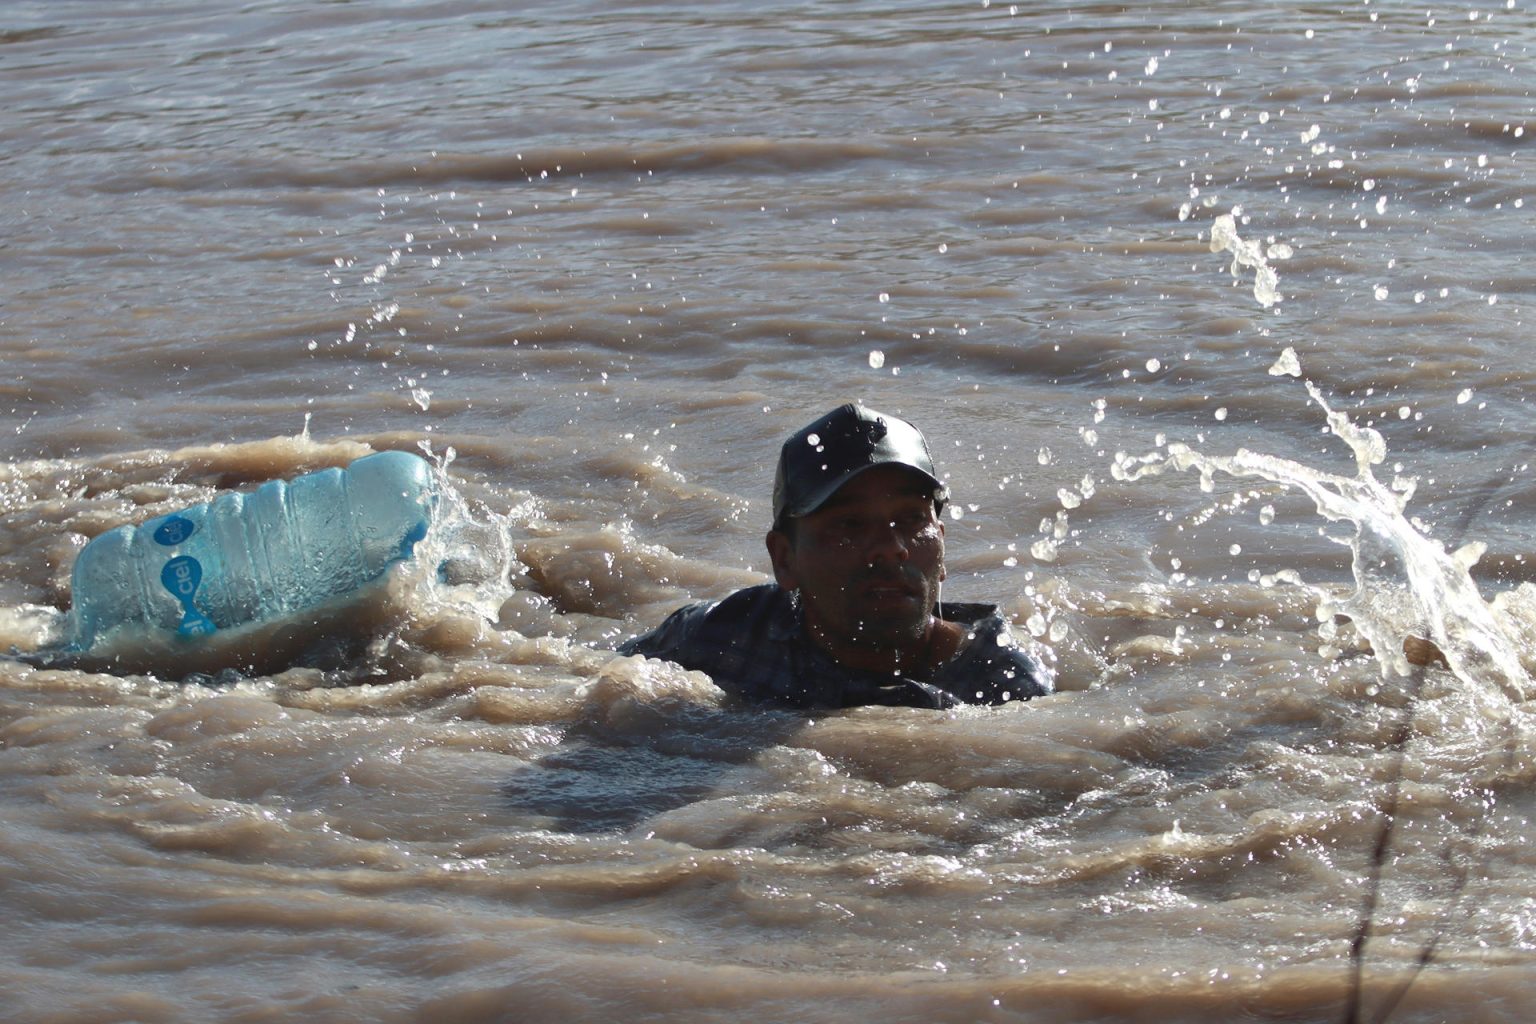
<point x="257" y="556"/>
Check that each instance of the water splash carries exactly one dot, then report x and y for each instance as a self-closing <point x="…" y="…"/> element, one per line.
<point x="1406" y="584"/>
<point x="1247" y="253"/>
<point x="470" y="546"/>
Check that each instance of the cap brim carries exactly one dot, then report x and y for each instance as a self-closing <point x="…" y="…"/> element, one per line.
<point x="823" y="494"/>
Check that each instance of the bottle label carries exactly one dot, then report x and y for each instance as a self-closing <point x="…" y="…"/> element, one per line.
<point x="182" y="576"/>
<point x="174" y="530"/>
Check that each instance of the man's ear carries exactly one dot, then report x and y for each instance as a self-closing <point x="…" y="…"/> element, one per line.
<point x="780" y="547"/>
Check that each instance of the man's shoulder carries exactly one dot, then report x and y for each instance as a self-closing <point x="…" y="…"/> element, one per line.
<point x="746" y="608"/>
<point x="765" y="597"/>
<point x="745" y="642"/>
<point x="697" y="623"/>
<point x="970" y="613"/>
<point x="994" y="666"/>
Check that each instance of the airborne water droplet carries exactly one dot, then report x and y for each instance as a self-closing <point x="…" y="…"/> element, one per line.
<point x="1287" y="365"/>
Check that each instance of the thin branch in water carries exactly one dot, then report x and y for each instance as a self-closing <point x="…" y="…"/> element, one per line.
<point x="1461" y="873"/>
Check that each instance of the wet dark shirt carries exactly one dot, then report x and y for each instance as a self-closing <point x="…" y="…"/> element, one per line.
<point x="752" y="644"/>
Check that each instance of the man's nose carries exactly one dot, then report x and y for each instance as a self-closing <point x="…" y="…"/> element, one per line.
<point x="886" y="543"/>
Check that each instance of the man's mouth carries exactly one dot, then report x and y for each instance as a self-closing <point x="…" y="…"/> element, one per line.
<point x="891" y="589"/>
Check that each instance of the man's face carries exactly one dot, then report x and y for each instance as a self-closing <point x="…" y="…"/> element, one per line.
<point x="867" y="564"/>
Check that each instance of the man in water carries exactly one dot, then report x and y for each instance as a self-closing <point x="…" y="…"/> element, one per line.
<point x="854" y="616"/>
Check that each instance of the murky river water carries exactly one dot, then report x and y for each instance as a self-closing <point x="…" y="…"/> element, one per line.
<point x="599" y="259"/>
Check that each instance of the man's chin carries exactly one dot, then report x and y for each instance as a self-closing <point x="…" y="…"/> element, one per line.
<point x="884" y="633"/>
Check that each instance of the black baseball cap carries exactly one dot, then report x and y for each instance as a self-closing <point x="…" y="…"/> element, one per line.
<point x="821" y="457"/>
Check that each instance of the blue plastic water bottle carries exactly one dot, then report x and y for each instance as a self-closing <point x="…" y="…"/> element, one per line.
<point x="257" y="556"/>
